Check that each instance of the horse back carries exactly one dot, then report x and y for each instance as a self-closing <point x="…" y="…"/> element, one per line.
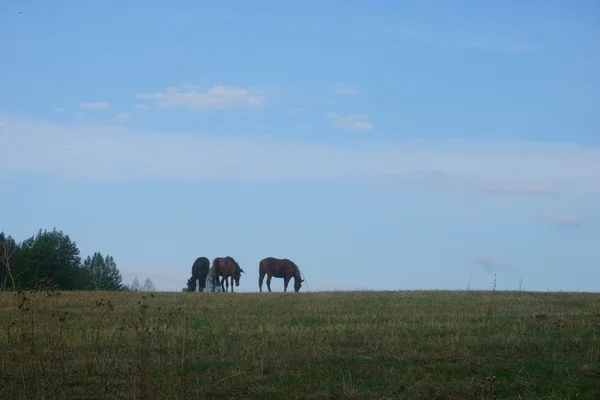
<point x="278" y="267"/>
<point x="224" y="266"/>
<point x="200" y="267"/>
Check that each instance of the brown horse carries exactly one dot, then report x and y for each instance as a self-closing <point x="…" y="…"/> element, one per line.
<point x="279" y="268"/>
<point x="199" y="273"/>
<point x="225" y="267"/>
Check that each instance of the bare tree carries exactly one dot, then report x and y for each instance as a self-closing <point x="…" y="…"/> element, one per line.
<point x="135" y="285"/>
<point x="7" y="249"/>
<point x="148" y="286"/>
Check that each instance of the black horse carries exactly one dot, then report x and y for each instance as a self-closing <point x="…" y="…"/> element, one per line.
<point x="199" y="273"/>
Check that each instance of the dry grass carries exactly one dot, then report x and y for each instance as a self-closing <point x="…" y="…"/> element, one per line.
<point x="354" y="345"/>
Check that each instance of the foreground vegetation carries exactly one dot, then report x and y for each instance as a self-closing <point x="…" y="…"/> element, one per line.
<point x="372" y="345"/>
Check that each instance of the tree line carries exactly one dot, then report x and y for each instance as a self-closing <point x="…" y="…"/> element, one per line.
<point x="53" y="256"/>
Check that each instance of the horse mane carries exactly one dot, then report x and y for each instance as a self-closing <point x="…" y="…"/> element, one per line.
<point x="237" y="266"/>
<point x="297" y="274"/>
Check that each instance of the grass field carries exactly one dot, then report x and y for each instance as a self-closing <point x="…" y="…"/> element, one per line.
<point x="362" y="345"/>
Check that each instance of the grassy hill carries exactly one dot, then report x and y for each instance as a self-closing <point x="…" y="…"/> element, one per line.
<point x="355" y="345"/>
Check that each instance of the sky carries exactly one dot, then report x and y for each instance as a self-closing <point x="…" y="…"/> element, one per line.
<point x="380" y="145"/>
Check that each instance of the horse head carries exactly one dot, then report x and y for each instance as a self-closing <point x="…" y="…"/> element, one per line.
<point x="297" y="280"/>
<point x="191" y="284"/>
<point x="237" y="271"/>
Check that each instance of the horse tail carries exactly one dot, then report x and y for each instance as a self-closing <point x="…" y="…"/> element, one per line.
<point x="217" y="267"/>
<point x="261" y="272"/>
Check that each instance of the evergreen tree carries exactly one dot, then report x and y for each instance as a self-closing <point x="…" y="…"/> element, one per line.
<point x="95" y="267"/>
<point x="113" y="274"/>
<point x="103" y="272"/>
<point x="48" y="255"/>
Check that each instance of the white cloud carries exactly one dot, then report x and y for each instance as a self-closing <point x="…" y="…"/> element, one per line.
<point x="58" y="109"/>
<point x="142" y="107"/>
<point x="115" y="153"/>
<point x="99" y="106"/>
<point x="565" y="219"/>
<point x="354" y="122"/>
<point x="341" y="88"/>
<point x="498" y="186"/>
<point x="218" y="97"/>
<point x="123" y="117"/>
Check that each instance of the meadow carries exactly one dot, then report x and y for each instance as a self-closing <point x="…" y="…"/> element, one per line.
<point x="328" y="345"/>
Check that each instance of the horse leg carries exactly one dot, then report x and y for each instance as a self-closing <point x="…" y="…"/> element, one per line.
<point x="260" y="280"/>
<point x="269" y="281"/>
<point x="286" y="280"/>
<point x="232" y="284"/>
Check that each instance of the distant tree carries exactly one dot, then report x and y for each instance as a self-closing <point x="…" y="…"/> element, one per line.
<point x="209" y="284"/>
<point x="48" y="255"/>
<point x="83" y="280"/>
<point x="8" y="246"/>
<point x="103" y="272"/>
<point x="148" y="286"/>
<point x="114" y="275"/>
<point x="135" y="285"/>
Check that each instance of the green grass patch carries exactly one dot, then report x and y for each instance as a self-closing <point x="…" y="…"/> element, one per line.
<point x="341" y="345"/>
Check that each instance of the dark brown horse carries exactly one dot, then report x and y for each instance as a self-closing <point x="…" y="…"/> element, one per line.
<point x="225" y="267"/>
<point x="279" y="268"/>
<point x="199" y="273"/>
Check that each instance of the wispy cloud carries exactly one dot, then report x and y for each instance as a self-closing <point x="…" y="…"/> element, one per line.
<point x="98" y="106"/>
<point x="122" y="117"/>
<point x="59" y="110"/>
<point x="468" y="40"/>
<point x="341" y="88"/>
<point x="490" y="265"/>
<point x="142" y="107"/>
<point x="323" y="100"/>
<point x="115" y="153"/>
<point x="218" y="97"/>
<point x="354" y="122"/>
<point x="493" y="186"/>
<point x="564" y="219"/>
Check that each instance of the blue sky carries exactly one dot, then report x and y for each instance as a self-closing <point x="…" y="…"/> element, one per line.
<point x="381" y="145"/>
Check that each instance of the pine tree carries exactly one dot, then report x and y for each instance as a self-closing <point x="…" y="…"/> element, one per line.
<point x="103" y="271"/>
<point x="95" y="267"/>
<point x="113" y="275"/>
<point x="48" y="255"/>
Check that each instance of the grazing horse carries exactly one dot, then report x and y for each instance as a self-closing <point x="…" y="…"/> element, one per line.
<point x="225" y="267"/>
<point x="279" y="268"/>
<point x="199" y="273"/>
